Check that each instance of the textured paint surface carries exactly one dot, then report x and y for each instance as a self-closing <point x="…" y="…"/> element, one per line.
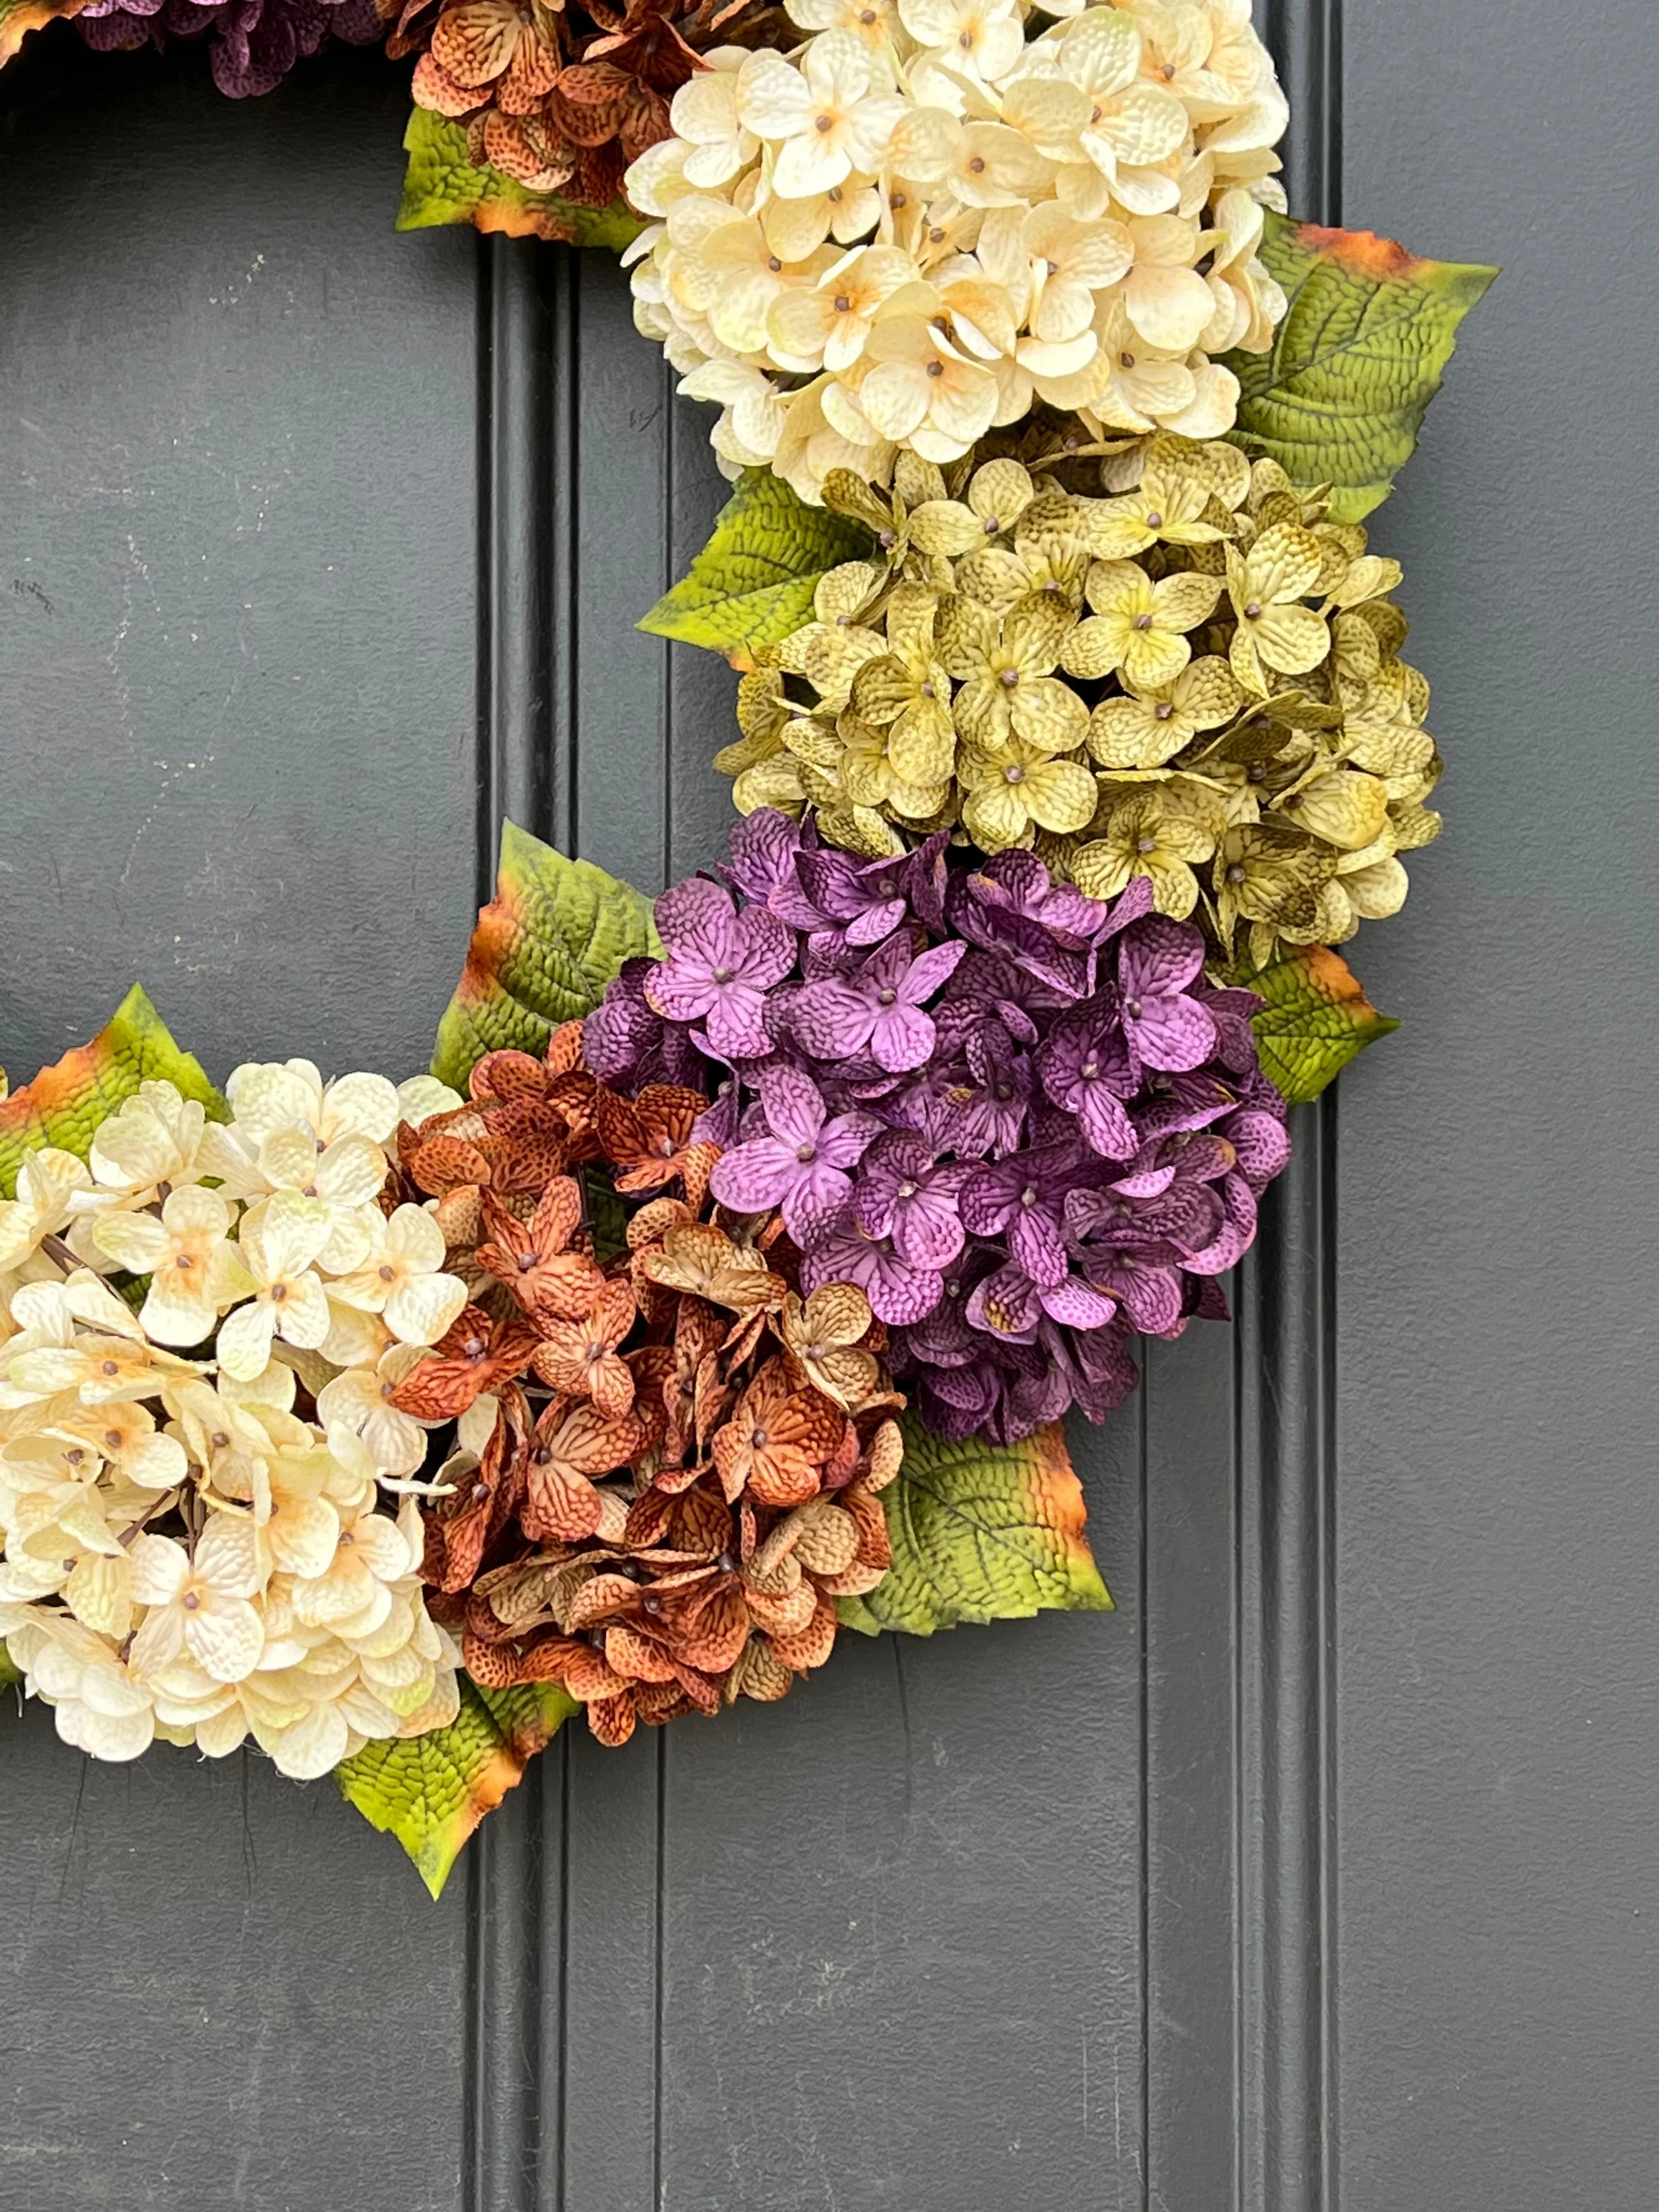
<point x="235" y="458"/>
<point x="1499" y="1504"/>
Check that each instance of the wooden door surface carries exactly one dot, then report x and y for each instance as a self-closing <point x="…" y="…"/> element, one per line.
<point x="1322" y="1873"/>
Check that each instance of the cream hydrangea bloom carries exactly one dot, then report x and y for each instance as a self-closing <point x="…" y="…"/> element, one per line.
<point x="935" y="211"/>
<point x="184" y="1555"/>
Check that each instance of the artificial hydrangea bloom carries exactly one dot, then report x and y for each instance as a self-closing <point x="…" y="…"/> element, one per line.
<point x="1017" y="1119"/>
<point x="934" y="213"/>
<point x="1195" y="680"/>
<point x="189" y="1549"/>
<point x="252" y="44"/>
<point x="562" y="97"/>
<point x="678" y="1472"/>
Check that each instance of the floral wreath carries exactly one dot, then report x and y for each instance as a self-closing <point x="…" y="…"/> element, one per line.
<point x="725" y="1282"/>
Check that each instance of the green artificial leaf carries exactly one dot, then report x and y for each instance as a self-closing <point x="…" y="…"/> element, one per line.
<point x="545" y="946"/>
<point x="1341" y="398"/>
<point x="1316" y="1018"/>
<point x="19" y="17"/>
<point x="607" y="1213"/>
<point x="981" y="1532"/>
<point x="431" y="1791"/>
<point x="9" y="1673"/>
<point x="752" y="583"/>
<point x="66" y="1101"/>
<point x="442" y="185"/>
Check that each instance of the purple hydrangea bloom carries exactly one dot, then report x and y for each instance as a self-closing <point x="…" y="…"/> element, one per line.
<point x="877" y="1006"/>
<point x="907" y="1193"/>
<point x="800" y="1165"/>
<point x="252" y="44"/>
<point x="1165" y="1028"/>
<point x="1016" y="1117"/>
<point x="848" y="1253"/>
<point x="719" y="964"/>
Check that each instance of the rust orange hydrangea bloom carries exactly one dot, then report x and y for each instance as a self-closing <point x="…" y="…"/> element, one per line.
<point x="562" y="97"/>
<point x="668" y="1464"/>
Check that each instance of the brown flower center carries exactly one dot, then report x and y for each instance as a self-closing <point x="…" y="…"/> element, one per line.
<point x="977" y="165"/>
<point x="843" y="305"/>
<point x="825" y="123"/>
<point x="722" y="975"/>
<point x="1009" y="677"/>
<point x="1146" y="844"/>
<point x="806" y="1153"/>
<point x="936" y="368"/>
<point x="1143" y="621"/>
<point x="887" y="996"/>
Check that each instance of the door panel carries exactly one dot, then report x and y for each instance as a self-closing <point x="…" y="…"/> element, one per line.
<point x="1500" y="1736"/>
<point x="237" y="698"/>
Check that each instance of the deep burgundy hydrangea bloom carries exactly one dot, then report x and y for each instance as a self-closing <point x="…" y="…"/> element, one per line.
<point x="1018" y="1119"/>
<point x="252" y="44"/>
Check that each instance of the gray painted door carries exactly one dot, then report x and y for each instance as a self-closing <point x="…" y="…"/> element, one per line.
<point x="1323" y="1871"/>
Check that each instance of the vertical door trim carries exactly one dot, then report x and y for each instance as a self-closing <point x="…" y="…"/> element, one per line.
<point x="1285" y="1356"/>
<point x="512" y="2155"/>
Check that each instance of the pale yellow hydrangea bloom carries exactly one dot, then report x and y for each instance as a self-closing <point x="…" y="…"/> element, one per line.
<point x="934" y="214"/>
<point x="182" y="1555"/>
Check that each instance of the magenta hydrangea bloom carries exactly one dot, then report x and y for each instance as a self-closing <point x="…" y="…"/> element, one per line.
<point x="1018" y="1118"/>
<point x="252" y="44"/>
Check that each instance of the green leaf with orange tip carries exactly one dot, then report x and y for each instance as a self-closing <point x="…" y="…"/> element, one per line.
<point x="981" y="1532"/>
<point x="431" y="1791"/>
<point x="1341" y="398"/>
<point x="19" y="17"/>
<point x="1316" y="1018"/>
<point x="442" y="185"/>
<point x="752" y="583"/>
<point x="555" y="932"/>
<point x="66" y="1101"/>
